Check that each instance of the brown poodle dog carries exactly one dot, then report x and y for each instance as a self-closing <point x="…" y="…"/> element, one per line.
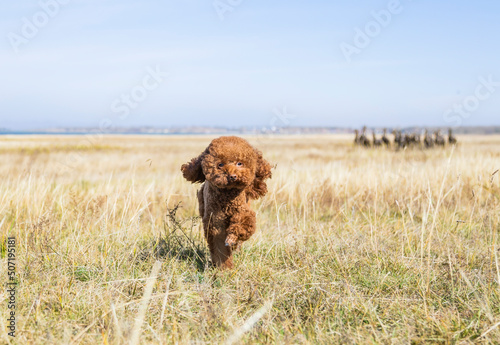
<point x="233" y="173"/>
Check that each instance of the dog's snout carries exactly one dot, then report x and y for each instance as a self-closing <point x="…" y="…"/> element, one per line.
<point x="232" y="177"/>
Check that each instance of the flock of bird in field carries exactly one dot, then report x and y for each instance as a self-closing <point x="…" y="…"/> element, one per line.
<point x="404" y="140"/>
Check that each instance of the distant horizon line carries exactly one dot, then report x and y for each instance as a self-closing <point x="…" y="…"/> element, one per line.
<point x="258" y="130"/>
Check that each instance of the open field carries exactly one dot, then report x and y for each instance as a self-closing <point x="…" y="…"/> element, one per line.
<point x="353" y="245"/>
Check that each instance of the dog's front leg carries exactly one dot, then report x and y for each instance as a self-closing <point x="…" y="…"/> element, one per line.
<point x="241" y="227"/>
<point x="221" y="254"/>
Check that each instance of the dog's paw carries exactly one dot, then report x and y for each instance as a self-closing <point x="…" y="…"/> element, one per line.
<point x="231" y="240"/>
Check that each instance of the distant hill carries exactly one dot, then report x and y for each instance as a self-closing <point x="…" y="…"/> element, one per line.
<point x="239" y="130"/>
<point x="478" y="130"/>
<point x="458" y="130"/>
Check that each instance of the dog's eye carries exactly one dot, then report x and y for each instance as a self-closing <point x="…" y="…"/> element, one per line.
<point x="221" y="165"/>
<point x="239" y="164"/>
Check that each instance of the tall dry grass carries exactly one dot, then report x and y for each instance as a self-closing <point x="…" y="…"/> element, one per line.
<point x="353" y="245"/>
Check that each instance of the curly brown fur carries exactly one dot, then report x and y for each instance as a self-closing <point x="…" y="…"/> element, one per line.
<point x="233" y="173"/>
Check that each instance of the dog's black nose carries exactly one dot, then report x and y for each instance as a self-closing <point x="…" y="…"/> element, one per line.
<point x="232" y="177"/>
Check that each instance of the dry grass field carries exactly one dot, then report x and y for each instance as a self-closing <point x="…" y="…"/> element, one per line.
<point x="354" y="246"/>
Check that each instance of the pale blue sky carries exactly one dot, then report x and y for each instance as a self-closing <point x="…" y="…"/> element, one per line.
<point x="423" y="63"/>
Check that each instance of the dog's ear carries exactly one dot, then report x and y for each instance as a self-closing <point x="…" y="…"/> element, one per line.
<point x="193" y="171"/>
<point x="262" y="172"/>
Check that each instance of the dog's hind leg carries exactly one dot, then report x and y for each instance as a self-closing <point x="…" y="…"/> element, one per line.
<point x="201" y="201"/>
